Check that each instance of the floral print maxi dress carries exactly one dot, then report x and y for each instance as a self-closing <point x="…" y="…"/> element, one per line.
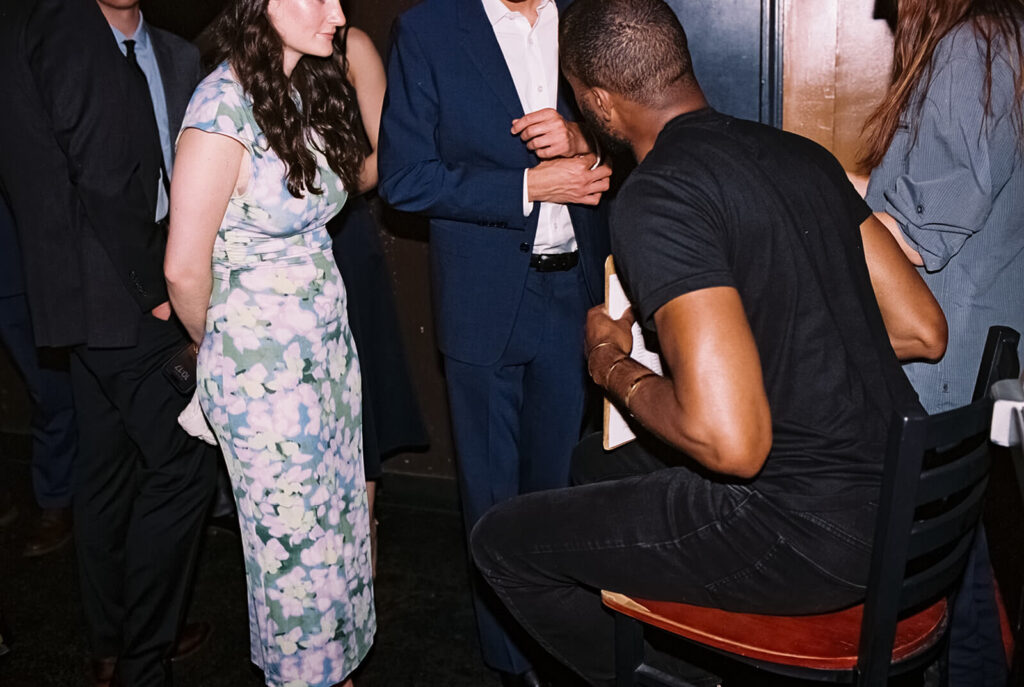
<point x="279" y="382"/>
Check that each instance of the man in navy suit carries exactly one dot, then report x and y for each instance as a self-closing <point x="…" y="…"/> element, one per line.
<point x="477" y="135"/>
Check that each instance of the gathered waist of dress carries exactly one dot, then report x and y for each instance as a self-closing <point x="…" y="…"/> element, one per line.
<point x="238" y="250"/>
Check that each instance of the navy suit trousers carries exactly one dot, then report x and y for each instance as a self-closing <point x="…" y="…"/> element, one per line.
<point x="515" y="424"/>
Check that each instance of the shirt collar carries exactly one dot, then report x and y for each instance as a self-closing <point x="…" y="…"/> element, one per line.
<point x="141" y="36"/>
<point x="497" y="11"/>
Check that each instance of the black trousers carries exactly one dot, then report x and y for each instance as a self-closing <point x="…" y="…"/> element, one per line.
<point x="142" y="487"/>
<point x="666" y="533"/>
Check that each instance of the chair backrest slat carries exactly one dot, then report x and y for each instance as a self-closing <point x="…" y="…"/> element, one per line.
<point x="953" y="426"/>
<point x="936" y="579"/>
<point x="966" y="469"/>
<point x="934" y="533"/>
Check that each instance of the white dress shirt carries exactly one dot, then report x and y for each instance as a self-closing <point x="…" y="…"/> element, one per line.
<point x="531" y="53"/>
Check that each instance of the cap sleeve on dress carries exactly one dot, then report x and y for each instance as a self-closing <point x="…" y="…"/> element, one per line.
<point x="219" y="106"/>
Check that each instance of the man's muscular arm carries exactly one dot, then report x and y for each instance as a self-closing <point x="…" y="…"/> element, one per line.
<point x="712" y="404"/>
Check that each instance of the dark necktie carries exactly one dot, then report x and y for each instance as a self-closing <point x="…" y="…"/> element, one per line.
<point x="133" y="60"/>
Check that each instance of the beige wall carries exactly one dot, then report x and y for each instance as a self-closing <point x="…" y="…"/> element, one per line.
<point x="836" y="61"/>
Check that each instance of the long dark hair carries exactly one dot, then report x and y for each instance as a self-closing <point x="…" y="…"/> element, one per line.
<point x="329" y="114"/>
<point x="919" y="28"/>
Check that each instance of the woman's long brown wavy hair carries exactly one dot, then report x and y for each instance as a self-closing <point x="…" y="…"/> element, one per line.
<point x="919" y="28"/>
<point x="329" y="115"/>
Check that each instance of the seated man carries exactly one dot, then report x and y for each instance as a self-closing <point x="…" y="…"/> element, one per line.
<point x="781" y="308"/>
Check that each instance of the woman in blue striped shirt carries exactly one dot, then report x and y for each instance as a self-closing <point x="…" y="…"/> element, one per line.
<point x="948" y="174"/>
<point x="945" y="149"/>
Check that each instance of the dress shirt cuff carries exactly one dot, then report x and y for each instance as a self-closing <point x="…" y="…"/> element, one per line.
<point x="527" y="203"/>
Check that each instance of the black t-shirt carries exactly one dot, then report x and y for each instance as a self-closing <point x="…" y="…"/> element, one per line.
<point x="727" y="202"/>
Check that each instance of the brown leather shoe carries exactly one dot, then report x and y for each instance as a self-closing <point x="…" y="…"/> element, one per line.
<point x="191" y="637"/>
<point x="51" y="532"/>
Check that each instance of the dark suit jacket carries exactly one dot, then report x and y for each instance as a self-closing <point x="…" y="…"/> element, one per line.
<point x="446" y="152"/>
<point x="80" y="167"/>
<point x="180" y="70"/>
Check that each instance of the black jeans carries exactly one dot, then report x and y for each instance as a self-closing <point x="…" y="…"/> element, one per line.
<point x="670" y="534"/>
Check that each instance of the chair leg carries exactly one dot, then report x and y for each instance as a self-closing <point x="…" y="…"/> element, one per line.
<point x="629" y="649"/>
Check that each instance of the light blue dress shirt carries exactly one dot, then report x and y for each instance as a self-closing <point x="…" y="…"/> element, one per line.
<point x="955" y="184"/>
<point x="147" y="61"/>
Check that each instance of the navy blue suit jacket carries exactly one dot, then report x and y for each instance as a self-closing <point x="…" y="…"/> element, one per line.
<point x="446" y="152"/>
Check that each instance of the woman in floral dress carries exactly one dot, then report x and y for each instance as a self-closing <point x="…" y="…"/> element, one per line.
<point x="268" y="151"/>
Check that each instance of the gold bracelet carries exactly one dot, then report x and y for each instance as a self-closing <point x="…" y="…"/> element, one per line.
<point x="590" y="356"/>
<point x="590" y="353"/>
<point x="633" y="387"/>
<point x="608" y="374"/>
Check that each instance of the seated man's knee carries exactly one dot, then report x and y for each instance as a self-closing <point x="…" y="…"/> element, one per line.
<point x="487" y="537"/>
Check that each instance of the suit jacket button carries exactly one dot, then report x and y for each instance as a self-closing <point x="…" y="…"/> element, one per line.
<point x="524" y="247"/>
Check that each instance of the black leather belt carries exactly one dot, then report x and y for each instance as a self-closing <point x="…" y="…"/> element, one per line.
<point x="554" y="262"/>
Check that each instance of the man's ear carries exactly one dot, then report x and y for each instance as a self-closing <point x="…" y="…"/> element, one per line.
<point x="604" y="104"/>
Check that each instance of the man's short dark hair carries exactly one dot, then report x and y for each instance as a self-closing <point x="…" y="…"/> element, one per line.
<point x="636" y="48"/>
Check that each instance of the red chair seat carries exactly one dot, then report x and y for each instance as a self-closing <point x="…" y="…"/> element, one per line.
<point x="828" y="641"/>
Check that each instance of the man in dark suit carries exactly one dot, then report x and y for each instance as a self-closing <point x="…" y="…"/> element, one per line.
<point x="476" y="134"/>
<point x="48" y="383"/>
<point x="84" y="168"/>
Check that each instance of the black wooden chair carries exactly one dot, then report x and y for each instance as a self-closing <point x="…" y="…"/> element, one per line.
<point x="1006" y="496"/>
<point x="998" y="361"/>
<point x="935" y="476"/>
